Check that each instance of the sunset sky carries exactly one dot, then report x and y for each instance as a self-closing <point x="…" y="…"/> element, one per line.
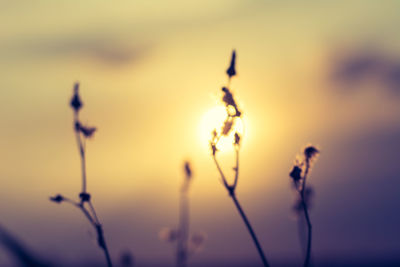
<point x="325" y="73"/>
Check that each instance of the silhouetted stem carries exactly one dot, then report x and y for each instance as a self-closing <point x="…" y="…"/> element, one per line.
<point x="305" y="208"/>
<point x="91" y="216"/>
<point x="182" y="249"/>
<point x="17" y="249"/>
<point x="251" y="231"/>
<point x="236" y="167"/>
<point x="81" y="149"/>
<point x="221" y="173"/>
<point x="99" y="229"/>
<point x="309" y="238"/>
<point x="231" y="191"/>
<point x="102" y="243"/>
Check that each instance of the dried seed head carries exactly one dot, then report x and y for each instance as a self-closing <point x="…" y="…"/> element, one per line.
<point x="58" y="198"/>
<point x="230" y="102"/>
<point x="76" y="102"/>
<point x="213" y="148"/>
<point x="310" y="152"/>
<point x="295" y="174"/>
<point x="188" y="170"/>
<point x="231" y="70"/>
<point x="196" y="242"/>
<point x="237" y="139"/>
<point x="226" y="129"/>
<point x="213" y="142"/>
<point x="87" y="131"/>
<point x="168" y="234"/>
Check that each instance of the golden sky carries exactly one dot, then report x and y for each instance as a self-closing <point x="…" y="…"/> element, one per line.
<point x="150" y="71"/>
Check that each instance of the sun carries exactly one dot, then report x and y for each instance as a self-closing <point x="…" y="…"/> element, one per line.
<point x="214" y="119"/>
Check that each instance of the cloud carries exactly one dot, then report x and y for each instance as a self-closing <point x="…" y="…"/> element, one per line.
<point x="104" y="49"/>
<point x="355" y="67"/>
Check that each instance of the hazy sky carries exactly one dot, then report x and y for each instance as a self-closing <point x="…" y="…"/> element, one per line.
<point x="326" y="73"/>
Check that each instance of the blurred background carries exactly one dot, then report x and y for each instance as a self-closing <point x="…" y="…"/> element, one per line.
<point x="325" y="73"/>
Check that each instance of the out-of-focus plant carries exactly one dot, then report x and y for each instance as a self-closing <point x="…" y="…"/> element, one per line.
<point x="299" y="174"/>
<point x="16" y="248"/>
<point x="233" y="114"/>
<point x="84" y="203"/>
<point x="186" y="243"/>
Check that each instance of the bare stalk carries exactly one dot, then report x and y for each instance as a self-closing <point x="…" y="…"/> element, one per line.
<point x="91" y="215"/>
<point x="307" y="217"/>
<point x="182" y="244"/>
<point x="233" y="112"/>
<point x="82" y="133"/>
<point x="231" y="190"/>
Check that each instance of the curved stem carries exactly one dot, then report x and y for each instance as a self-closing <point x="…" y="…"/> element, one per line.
<point x="221" y="173"/>
<point x="251" y="231"/>
<point x="99" y="230"/>
<point x="231" y="190"/>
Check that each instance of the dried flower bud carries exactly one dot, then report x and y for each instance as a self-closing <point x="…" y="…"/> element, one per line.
<point x="196" y="242"/>
<point x="168" y="235"/>
<point x="229" y="101"/>
<point x="227" y="126"/>
<point x="87" y="131"/>
<point x="85" y="197"/>
<point x="58" y="198"/>
<point x="296" y="173"/>
<point x="228" y="97"/>
<point x="310" y="152"/>
<point x="127" y="259"/>
<point x="188" y="170"/>
<point x="76" y="102"/>
<point x="213" y="148"/>
<point x="237" y="139"/>
<point x="231" y="70"/>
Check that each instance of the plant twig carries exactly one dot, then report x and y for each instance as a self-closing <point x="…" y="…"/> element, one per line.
<point x="182" y="244"/>
<point x="299" y="176"/>
<point x="231" y="190"/>
<point x="305" y="209"/>
<point x="82" y="133"/>
<point x="230" y="105"/>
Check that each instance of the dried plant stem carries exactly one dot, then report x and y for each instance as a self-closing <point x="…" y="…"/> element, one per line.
<point x="306" y="215"/>
<point x="182" y="244"/>
<point x="93" y="220"/>
<point x="232" y="194"/>
<point x="82" y="133"/>
<point x="251" y="231"/>
<point x="90" y="214"/>
<point x="81" y="148"/>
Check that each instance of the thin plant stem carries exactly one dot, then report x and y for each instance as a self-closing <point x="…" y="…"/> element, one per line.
<point x="251" y="231"/>
<point x="306" y="215"/>
<point x="81" y="149"/>
<point x="231" y="190"/>
<point x="82" y="133"/>
<point x="90" y="215"/>
<point x="223" y="179"/>
<point x="102" y="243"/>
<point x="236" y="168"/>
<point x="182" y="249"/>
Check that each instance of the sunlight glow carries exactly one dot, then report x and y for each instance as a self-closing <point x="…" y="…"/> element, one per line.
<point x="214" y="119"/>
